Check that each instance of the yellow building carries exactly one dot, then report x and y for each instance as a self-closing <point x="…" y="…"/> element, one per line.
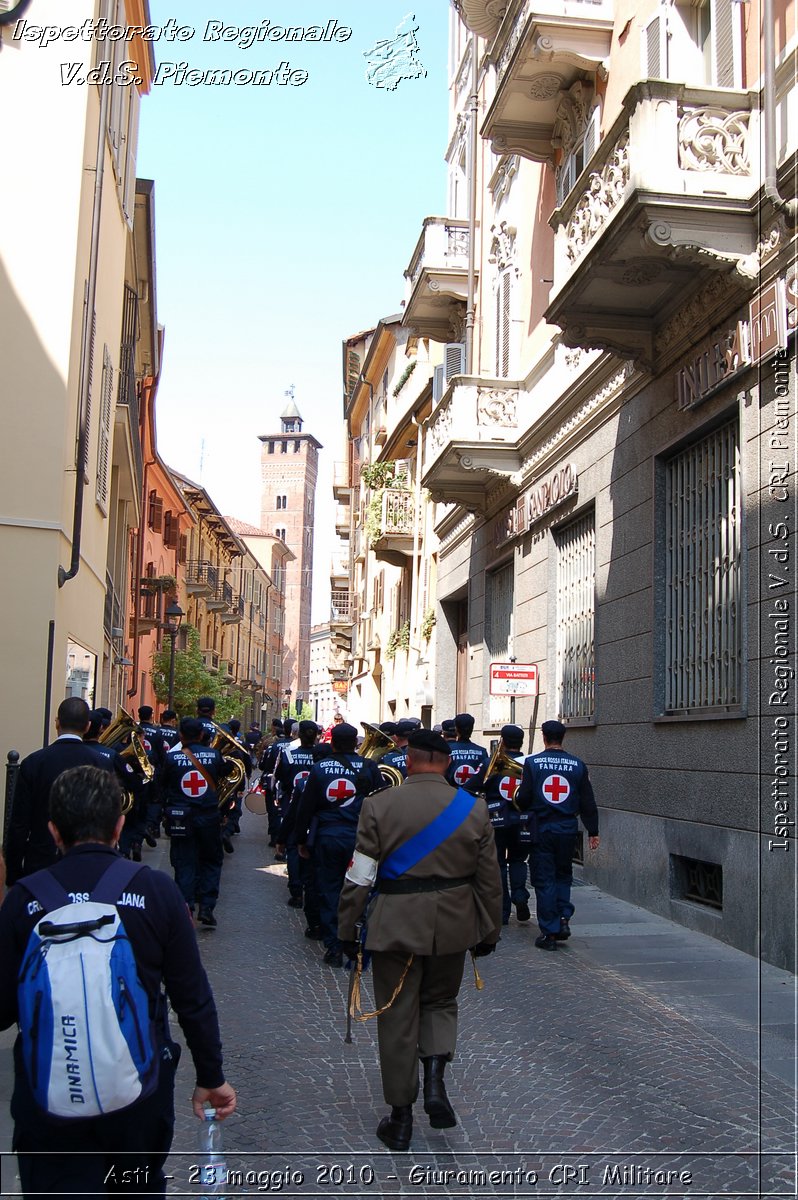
<point x="69" y="470"/>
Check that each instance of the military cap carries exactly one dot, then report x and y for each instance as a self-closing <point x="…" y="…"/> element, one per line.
<point x="104" y="714"/>
<point x="448" y="728"/>
<point x="512" y="735"/>
<point x="191" y="729"/>
<point x="553" y="731"/>
<point x="405" y="727"/>
<point x="389" y="727"/>
<point x="425" y="739"/>
<point x="343" y="735"/>
<point x="206" y="704"/>
<point x="308" y="729"/>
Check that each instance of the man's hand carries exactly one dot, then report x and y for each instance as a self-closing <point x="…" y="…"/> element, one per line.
<point x="279" y="847"/>
<point x="223" y="1099"/>
<point x="593" y="842"/>
<point x="483" y="948"/>
<point x="304" y="852"/>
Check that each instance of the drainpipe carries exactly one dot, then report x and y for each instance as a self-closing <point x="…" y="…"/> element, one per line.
<point x="472" y="210"/>
<point x="150" y="384"/>
<point x="86" y="346"/>
<point x="788" y="207"/>
<point x="416" y="528"/>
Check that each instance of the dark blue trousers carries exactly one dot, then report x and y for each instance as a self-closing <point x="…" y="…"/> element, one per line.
<point x="551" y="871"/>
<point x="512" y="855"/>
<point x="332" y="854"/>
<point x="197" y="862"/>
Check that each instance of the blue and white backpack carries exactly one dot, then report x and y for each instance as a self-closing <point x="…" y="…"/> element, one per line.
<point x="88" y="1042"/>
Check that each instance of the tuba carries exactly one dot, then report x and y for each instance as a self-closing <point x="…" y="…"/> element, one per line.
<point x="225" y="743"/>
<point x="374" y="745"/>
<point x="502" y="763"/>
<point x="123" y="729"/>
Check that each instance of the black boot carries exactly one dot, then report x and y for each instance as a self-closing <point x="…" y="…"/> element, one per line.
<point x="436" y="1102"/>
<point x="395" y="1131"/>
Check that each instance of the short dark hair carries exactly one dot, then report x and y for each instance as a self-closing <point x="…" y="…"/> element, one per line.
<point x="464" y="723"/>
<point x="145" y="712"/>
<point x="168" y="714"/>
<point x="74" y="714"/>
<point x="85" y="805"/>
<point x="234" y="724"/>
<point x="191" y="729"/>
<point x="308" y="732"/>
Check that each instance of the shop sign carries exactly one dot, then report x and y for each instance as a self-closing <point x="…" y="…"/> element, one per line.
<point x="550" y="492"/>
<point x="340" y="686"/>
<point x="720" y="361"/>
<point x="510" y="523"/>
<point x="768" y="320"/>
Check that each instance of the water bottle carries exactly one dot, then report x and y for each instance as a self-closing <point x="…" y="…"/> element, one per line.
<point x="213" y="1167"/>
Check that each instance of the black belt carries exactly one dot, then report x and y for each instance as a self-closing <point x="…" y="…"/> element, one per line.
<point x="424" y="883"/>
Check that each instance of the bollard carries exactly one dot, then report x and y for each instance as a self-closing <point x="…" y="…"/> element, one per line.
<point x="12" y="770"/>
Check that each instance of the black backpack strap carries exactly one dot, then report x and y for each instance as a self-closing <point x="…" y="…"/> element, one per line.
<point x="46" y="889"/>
<point x="116" y="878"/>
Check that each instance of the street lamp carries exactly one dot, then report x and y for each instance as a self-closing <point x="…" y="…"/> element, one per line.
<point x="173" y="617"/>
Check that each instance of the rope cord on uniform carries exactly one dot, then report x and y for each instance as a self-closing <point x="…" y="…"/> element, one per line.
<point x="354" y="1004"/>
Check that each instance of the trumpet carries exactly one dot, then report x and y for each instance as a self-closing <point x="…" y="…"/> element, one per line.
<point x="374" y="745"/>
<point x="125" y="729"/>
<point x="224" y="742"/>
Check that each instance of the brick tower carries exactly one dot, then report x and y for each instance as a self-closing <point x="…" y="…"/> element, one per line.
<point x="289" y="468"/>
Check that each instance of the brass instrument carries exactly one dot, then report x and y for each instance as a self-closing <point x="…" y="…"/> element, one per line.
<point x="125" y="729"/>
<point x="224" y="742"/>
<point x="502" y="763"/>
<point x="374" y="745"/>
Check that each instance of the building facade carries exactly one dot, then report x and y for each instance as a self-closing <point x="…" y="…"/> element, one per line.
<point x="289" y="470"/>
<point x="71" y="488"/>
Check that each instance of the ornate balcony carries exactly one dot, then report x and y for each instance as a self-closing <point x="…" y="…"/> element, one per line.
<point x="472" y="440"/>
<point x="542" y="48"/>
<point x="436" y="287"/>
<point x="660" y="226"/>
<point x="202" y="578"/>
<point x="235" y="610"/>
<point x="394" y="541"/>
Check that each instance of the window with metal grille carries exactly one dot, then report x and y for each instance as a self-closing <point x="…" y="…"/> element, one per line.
<point x="576" y="610"/>
<point x="703" y="575"/>
<point x="499" y="611"/>
<point x="155" y="512"/>
<point x="697" y="881"/>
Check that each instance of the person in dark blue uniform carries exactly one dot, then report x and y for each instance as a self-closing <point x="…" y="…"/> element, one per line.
<point x="29" y="844"/>
<point x="168" y="729"/>
<point x="86" y="1156"/>
<point x="468" y="760"/>
<point x="332" y="799"/>
<point x="556" y="790"/>
<point x="191" y="777"/>
<point x="509" y="827"/>
<point x="293" y="765"/>
<point x="154" y="744"/>
<point x="268" y="764"/>
<point x="398" y="757"/>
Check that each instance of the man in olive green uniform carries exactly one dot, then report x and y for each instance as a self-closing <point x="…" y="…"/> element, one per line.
<point x="433" y="857"/>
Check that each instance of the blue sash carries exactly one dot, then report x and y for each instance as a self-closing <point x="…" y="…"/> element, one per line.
<point x="429" y="838"/>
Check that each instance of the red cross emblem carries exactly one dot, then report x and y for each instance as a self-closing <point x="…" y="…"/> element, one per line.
<point x="556" y="789"/>
<point x="508" y="787"/>
<point x="341" y="791"/>
<point x="194" y="784"/>
<point x="147" y="744"/>
<point x="464" y="773"/>
<point x="301" y="775"/>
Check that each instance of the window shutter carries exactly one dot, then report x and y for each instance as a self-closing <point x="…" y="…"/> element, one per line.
<point x="438" y="383"/>
<point x="454" y="359"/>
<point x="503" y="325"/>
<point x="655" y="48"/>
<point x="591" y="138"/>
<point x="725" y="62"/>
<point x="131" y="143"/>
<point x="182" y="553"/>
<point x="155" y="513"/>
<point x="170" y="530"/>
<point x="104" y="440"/>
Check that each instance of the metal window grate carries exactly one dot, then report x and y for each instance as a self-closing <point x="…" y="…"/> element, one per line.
<point x="700" y="882"/>
<point x="576" y="585"/>
<point x="703" y="626"/>
<point x="499" y="611"/>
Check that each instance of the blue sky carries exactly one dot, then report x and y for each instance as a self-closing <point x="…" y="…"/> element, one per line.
<point x="285" y="216"/>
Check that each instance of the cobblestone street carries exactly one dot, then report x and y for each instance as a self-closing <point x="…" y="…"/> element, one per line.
<point x="641" y="1059"/>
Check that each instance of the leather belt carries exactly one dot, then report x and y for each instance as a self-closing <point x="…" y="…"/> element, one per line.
<point x="424" y="883"/>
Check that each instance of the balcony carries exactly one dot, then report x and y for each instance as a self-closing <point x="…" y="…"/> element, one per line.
<point x="660" y="232"/>
<point x="472" y="440"/>
<point x="437" y="279"/>
<point x="394" y="541"/>
<point x="343" y="516"/>
<point x="211" y="660"/>
<point x="543" y="48"/>
<point x="202" y="578"/>
<point x="235" y="609"/>
<point x="340" y="607"/>
<point x="342" y="482"/>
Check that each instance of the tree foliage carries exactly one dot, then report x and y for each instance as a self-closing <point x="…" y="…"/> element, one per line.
<point x="193" y="679"/>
